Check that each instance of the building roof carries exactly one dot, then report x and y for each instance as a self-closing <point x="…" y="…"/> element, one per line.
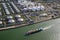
<point x="17" y="10"/>
<point x="4" y="5"/>
<point x="10" y="8"/>
<point x="7" y="11"/>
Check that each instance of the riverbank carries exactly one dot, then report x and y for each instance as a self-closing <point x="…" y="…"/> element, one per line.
<point x="19" y="26"/>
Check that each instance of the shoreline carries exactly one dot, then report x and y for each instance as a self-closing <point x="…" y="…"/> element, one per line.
<point x="18" y="26"/>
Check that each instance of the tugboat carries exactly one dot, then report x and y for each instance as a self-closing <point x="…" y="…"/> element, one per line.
<point x="34" y="31"/>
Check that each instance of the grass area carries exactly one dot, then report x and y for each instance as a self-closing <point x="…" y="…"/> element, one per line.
<point x="33" y="18"/>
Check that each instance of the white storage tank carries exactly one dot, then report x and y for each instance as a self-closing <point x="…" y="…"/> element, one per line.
<point x="38" y="8"/>
<point x="42" y="7"/>
<point x="34" y="8"/>
<point x="11" y="21"/>
<point x="9" y="17"/>
<point x="0" y="22"/>
<point x="17" y="16"/>
<point x="20" y="19"/>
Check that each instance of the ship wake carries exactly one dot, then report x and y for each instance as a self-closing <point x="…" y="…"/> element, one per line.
<point x="47" y="27"/>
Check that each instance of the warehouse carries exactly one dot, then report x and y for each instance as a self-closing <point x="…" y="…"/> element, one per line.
<point x="14" y="7"/>
<point x="4" y="5"/>
<point x="10" y="8"/>
<point x="7" y="11"/>
<point x="5" y="8"/>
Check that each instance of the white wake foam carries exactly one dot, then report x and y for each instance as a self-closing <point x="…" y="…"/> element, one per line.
<point x="47" y="27"/>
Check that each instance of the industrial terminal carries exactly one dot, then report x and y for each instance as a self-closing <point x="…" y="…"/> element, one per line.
<point x="18" y="13"/>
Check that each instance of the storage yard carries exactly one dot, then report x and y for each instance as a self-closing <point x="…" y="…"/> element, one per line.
<point x="22" y="12"/>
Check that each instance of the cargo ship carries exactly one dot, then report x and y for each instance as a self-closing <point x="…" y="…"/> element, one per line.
<point x="36" y="30"/>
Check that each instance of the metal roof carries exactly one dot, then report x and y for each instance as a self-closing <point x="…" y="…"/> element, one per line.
<point x="6" y="9"/>
<point x="15" y="7"/>
<point x="10" y="8"/>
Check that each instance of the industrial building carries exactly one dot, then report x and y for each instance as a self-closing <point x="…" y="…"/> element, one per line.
<point x="10" y="8"/>
<point x="14" y="7"/>
<point x="5" y="8"/>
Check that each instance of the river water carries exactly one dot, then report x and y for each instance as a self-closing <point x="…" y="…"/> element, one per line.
<point x="52" y="33"/>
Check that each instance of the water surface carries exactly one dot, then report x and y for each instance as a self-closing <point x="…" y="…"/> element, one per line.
<point x="49" y="34"/>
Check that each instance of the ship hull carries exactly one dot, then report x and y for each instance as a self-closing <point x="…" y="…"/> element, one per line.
<point x="33" y="32"/>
